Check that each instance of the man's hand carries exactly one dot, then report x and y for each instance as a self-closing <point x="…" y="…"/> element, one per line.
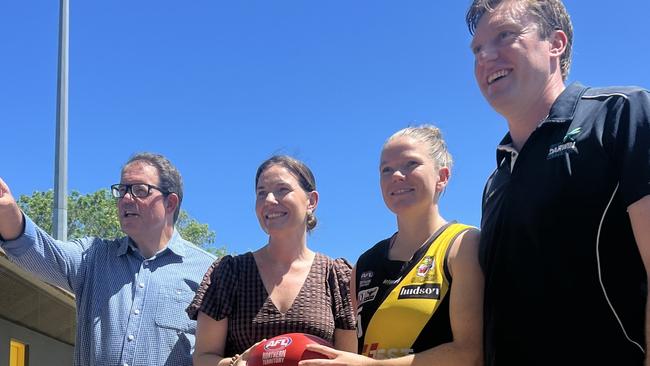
<point x="11" y="218"/>
<point x="5" y="194"/>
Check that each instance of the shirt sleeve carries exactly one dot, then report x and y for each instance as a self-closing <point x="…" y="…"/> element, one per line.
<point x="339" y="287"/>
<point x="632" y="144"/>
<point x="216" y="293"/>
<point x="56" y="262"/>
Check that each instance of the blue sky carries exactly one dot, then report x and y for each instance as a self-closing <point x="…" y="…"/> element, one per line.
<point x="220" y="86"/>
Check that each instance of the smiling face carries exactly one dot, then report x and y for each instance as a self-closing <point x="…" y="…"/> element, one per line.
<point x="409" y="177"/>
<point x="513" y="66"/>
<point x="143" y="219"/>
<point x="281" y="204"/>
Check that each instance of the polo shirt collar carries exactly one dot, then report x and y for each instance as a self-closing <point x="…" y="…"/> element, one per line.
<point x="564" y="107"/>
<point x="562" y="110"/>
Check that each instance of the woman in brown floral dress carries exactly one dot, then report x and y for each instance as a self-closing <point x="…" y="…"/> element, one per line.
<point x="283" y="287"/>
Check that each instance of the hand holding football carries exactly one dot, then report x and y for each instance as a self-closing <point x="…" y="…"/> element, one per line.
<point x="285" y="350"/>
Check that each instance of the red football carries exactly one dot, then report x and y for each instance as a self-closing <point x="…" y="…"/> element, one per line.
<point x="286" y="350"/>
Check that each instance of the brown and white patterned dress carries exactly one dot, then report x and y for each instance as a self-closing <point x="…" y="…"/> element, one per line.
<point x="232" y="288"/>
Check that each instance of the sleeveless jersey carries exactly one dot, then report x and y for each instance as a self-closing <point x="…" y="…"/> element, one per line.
<point x="403" y="307"/>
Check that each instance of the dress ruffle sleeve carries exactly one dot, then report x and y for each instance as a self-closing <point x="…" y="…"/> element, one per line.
<point x="216" y="294"/>
<point x="339" y="286"/>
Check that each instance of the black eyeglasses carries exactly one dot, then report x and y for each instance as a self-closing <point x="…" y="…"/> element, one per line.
<point x="140" y="190"/>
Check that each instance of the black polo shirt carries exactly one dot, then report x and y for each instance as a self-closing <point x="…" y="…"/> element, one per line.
<point x="565" y="284"/>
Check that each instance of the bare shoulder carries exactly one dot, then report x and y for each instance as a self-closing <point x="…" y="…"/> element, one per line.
<point x="466" y="241"/>
<point x="464" y="250"/>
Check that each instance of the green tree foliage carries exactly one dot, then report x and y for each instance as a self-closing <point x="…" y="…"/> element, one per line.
<point x="95" y="214"/>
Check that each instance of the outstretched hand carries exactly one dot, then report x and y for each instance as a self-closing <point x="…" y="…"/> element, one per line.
<point x="11" y="218"/>
<point x="334" y="357"/>
<point x="5" y="194"/>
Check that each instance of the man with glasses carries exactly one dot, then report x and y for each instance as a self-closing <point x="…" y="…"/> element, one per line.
<point x="131" y="293"/>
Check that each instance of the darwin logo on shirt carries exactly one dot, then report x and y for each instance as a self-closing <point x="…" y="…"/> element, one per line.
<point x="567" y="146"/>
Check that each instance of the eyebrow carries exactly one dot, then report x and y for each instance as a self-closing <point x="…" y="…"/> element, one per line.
<point x="280" y="183"/>
<point x="498" y="26"/>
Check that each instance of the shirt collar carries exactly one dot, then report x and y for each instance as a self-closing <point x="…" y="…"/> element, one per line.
<point x="175" y="245"/>
<point x="562" y="110"/>
<point x="506" y="149"/>
<point x="564" y="107"/>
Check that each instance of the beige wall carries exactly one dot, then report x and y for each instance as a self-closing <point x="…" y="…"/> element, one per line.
<point x="29" y="302"/>
<point x="36" y="314"/>
<point x="43" y="350"/>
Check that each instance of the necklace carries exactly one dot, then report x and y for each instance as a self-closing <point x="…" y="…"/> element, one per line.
<point x="431" y="238"/>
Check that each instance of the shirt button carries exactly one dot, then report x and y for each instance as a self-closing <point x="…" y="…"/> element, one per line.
<point x="141" y="284"/>
<point x="130" y="337"/>
<point x="136" y="311"/>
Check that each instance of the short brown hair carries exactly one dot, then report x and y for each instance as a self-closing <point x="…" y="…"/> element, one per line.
<point x="550" y="15"/>
<point x="170" y="179"/>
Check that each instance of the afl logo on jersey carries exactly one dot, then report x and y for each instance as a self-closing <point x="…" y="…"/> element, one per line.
<point x="365" y="279"/>
<point x="277" y="344"/>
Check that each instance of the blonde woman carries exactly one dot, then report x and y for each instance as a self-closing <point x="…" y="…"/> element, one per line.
<point x="419" y="293"/>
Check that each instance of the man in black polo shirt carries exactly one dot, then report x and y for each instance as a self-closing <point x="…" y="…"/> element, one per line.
<point x="566" y="214"/>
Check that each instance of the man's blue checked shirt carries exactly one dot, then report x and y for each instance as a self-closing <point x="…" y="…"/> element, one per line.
<point x="130" y="310"/>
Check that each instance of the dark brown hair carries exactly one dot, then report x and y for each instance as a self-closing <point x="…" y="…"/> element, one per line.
<point x="170" y="178"/>
<point x="299" y="170"/>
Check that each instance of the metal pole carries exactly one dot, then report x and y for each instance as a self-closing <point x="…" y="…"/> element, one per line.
<point x="60" y="224"/>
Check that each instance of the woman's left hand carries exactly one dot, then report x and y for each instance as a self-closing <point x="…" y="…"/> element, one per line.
<point x="334" y="357"/>
<point x="243" y="359"/>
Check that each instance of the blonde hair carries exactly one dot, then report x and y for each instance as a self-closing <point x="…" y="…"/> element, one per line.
<point x="431" y="136"/>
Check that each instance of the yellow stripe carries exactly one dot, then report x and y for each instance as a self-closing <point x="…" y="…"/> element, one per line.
<point x="398" y="321"/>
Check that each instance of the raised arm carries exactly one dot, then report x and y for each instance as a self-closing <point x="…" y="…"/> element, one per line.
<point x="30" y="247"/>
